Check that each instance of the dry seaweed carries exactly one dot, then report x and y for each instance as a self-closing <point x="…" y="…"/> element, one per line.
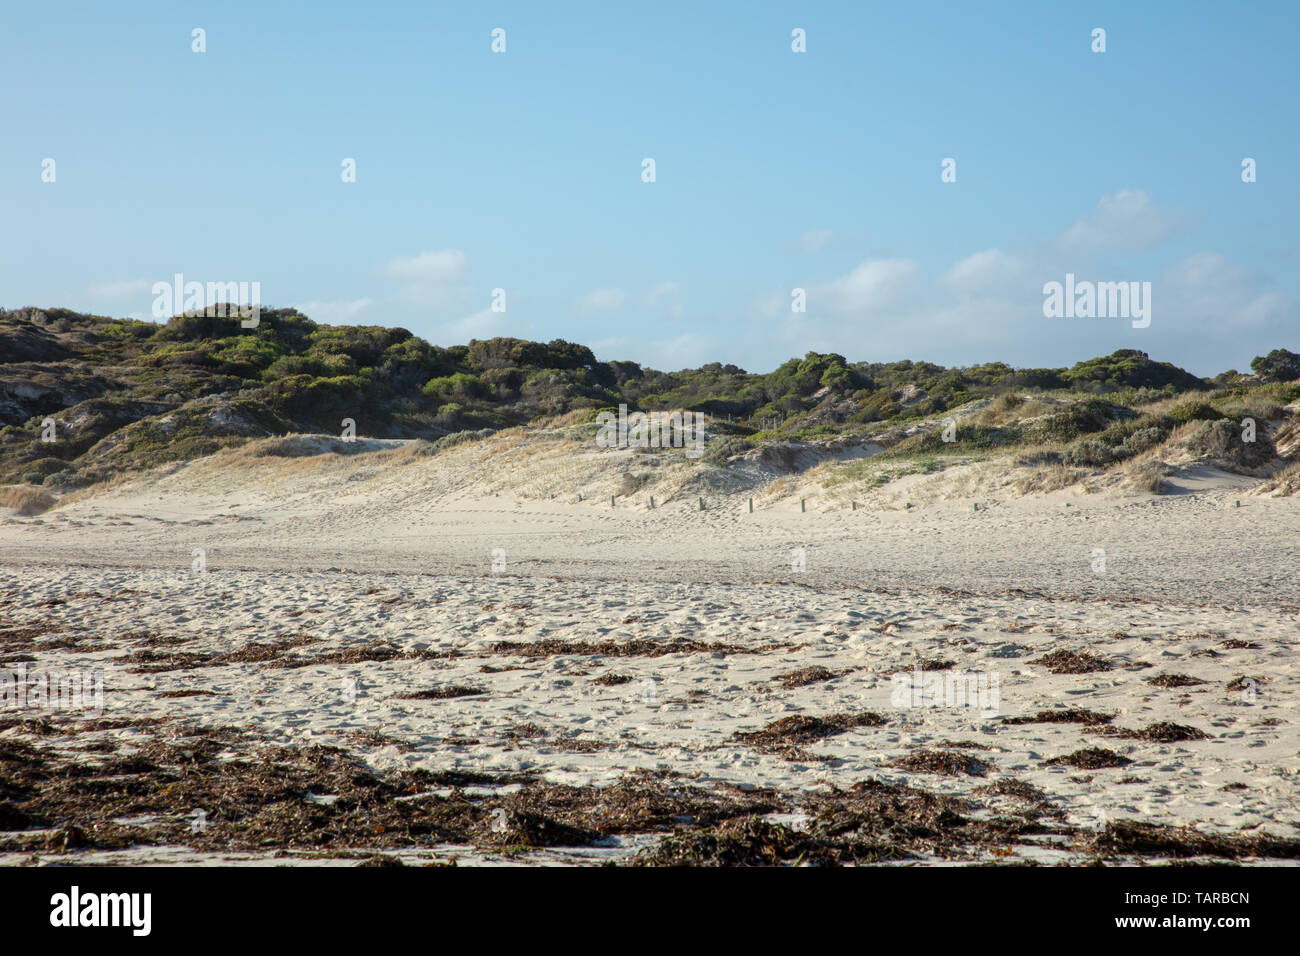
<point x="1070" y="662"/>
<point x="1092" y="758"/>
<point x="1071" y="715"/>
<point x="946" y="762"/>
<point x="1174" y="680"/>
<point x="784" y="736"/>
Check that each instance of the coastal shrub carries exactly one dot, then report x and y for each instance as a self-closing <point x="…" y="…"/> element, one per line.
<point x="502" y="384"/>
<point x="505" y="352"/>
<point x="1036" y="458"/>
<point x="1076" y="420"/>
<point x="721" y="451"/>
<point x="304" y="446"/>
<point x="322" y="403"/>
<point x="1141" y="440"/>
<point x="45" y="466"/>
<point x="1194" y="411"/>
<point x="179" y="354"/>
<point x="448" y="441"/>
<point x="315" y="365"/>
<point x="1289" y="393"/>
<point x="1089" y="453"/>
<point x="459" y="386"/>
<point x="966" y="438"/>
<point x="1129" y="368"/>
<point x="1149" y="478"/>
<point x="193" y="328"/>
<point x="244" y="356"/>
<point x="1279" y="365"/>
<point x="364" y="344"/>
<point x="1221" y="441"/>
<point x="65" y="479"/>
<point x="1006" y="402"/>
<point x="1121" y="432"/>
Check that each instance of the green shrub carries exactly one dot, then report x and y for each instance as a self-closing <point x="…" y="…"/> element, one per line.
<point x="459" y="386"/>
<point x="1279" y="365"/>
<point x="723" y="450"/>
<point x="519" y="353"/>
<point x="449" y="441"/>
<point x="1141" y="440"/>
<point x="1131" y="368"/>
<point x="64" y="479"/>
<point x="967" y="438"/>
<point x="1221" y="440"/>
<point x="1077" y="420"/>
<point x="244" y="355"/>
<point x="364" y="344"/>
<point x="1289" y="393"/>
<point x="1089" y="453"/>
<point x="45" y="466"/>
<point x="1194" y="411"/>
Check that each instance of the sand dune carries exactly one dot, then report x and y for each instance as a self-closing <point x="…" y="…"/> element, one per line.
<point x="579" y="642"/>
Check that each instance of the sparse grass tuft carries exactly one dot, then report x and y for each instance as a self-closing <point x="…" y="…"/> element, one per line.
<point x="27" y="502"/>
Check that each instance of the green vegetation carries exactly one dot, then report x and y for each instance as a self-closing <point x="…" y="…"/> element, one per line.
<point x="1279" y="365"/>
<point x="127" y="394"/>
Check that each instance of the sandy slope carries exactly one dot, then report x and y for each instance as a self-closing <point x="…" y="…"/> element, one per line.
<point x="391" y="546"/>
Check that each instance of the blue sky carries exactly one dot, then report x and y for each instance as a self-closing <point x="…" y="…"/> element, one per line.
<point x="774" y="170"/>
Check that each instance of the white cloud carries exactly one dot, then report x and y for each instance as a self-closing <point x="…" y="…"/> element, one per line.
<point x="484" y="324"/>
<point x="602" y="300"/>
<point x="682" y="351"/>
<point x="984" y="269"/>
<point x="873" y="286"/>
<point x="988" y="305"/>
<point x="442" y="265"/>
<point x="814" y="240"/>
<point x="121" y="289"/>
<point x="661" y="289"/>
<point x="432" y="280"/>
<point x="1127" y="220"/>
<point x="1205" y="288"/>
<point x="334" y="311"/>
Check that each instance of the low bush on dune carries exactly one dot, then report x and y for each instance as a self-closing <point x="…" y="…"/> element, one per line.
<point x="1038" y="457"/>
<point x="1077" y="420"/>
<point x="304" y="446"/>
<point x="1089" y="453"/>
<point x="27" y="502"/>
<point x="68" y="478"/>
<point x="1194" y="411"/>
<point x="1004" y="406"/>
<point x="1118" y="443"/>
<point x="450" y="441"/>
<point x="1149" y="478"/>
<point x="1286" y="482"/>
<point x="722" y="451"/>
<point x="1222" y="442"/>
<point x="130" y="395"/>
<point x="966" y="438"/>
<point x="1142" y="440"/>
<point x="44" y="467"/>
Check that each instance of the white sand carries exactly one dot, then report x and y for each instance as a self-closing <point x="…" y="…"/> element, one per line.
<point x="391" y="546"/>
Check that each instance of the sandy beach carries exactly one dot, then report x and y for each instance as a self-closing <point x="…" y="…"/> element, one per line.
<point x="998" y="677"/>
